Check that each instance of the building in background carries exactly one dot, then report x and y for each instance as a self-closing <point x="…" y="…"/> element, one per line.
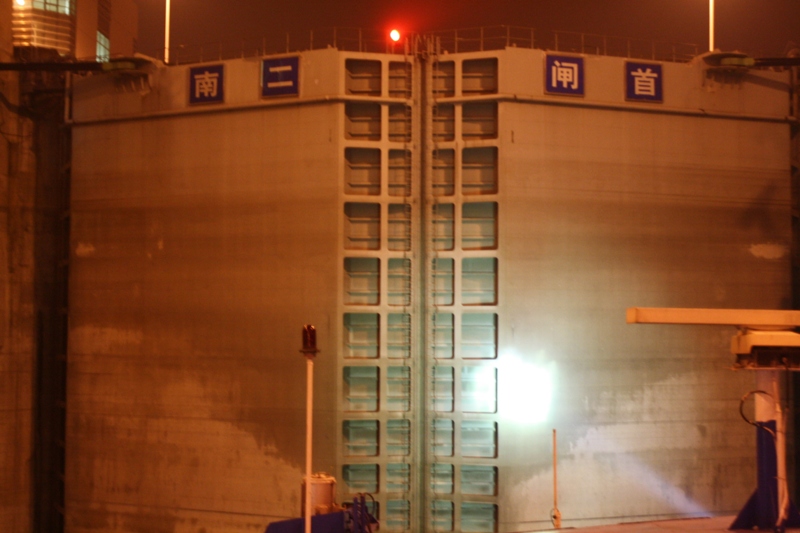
<point x="34" y="235"/>
<point x="465" y="230"/>
<point x="81" y="29"/>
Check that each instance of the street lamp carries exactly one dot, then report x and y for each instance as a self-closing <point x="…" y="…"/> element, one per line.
<point x="166" y="35"/>
<point x="710" y="25"/>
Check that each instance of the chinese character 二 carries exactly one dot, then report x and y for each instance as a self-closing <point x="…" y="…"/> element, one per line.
<point x="205" y="85"/>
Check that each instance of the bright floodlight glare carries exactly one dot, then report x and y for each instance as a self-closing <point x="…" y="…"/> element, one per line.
<point x="526" y="389"/>
<point x="20" y="2"/>
<point x="394" y="35"/>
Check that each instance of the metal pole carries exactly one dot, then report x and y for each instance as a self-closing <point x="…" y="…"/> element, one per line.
<point x="556" y="513"/>
<point x="309" y="431"/>
<point x="166" y="35"/>
<point x="710" y="25"/>
<point x="309" y="351"/>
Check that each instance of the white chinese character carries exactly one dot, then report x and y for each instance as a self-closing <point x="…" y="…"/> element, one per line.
<point x="644" y="83"/>
<point x="205" y="84"/>
<point x="565" y="73"/>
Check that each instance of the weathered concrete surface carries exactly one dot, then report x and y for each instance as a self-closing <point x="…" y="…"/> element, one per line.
<point x="202" y="241"/>
<point x="200" y="248"/>
<point x="16" y="301"/>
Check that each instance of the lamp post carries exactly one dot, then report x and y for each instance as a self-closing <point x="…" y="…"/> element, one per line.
<point x="309" y="351"/>
<point x="166" y="35"/>
<point x="710" y="25"/>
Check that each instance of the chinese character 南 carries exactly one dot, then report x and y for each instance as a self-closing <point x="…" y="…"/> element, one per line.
<point x="205" y="84"/>
<point x="644" y="82"/>
<point x="566" y="74"/>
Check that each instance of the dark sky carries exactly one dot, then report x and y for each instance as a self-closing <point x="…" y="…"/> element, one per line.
<point x="758" y="27"/>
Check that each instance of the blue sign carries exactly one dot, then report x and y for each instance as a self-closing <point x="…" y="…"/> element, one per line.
<point x="279" y="77"/>
<point x="644" y="82"/>
<point x="564" y="75"/>
<point x="206" y="84"/>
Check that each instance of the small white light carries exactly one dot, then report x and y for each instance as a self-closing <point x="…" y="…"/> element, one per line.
<point x="394" y="35"/>
<point x="20" y="2"/>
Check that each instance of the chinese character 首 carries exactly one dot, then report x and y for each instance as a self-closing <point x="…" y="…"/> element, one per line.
<point x="644" y="82"/>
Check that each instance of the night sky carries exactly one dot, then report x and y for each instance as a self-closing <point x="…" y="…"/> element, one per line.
<point x="758" y="27"/>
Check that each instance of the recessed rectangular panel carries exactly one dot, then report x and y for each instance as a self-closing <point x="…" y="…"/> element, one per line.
<point x="478" y="517"/>
<point x="399" y="282"/>
<point x="361" y="477"/>
<point x="398" y="388"/>
<point x="442" y="433"/>
<point x="479" y="120"/>
<point x="478" y="389"/>
<point x="444" y="122"/>
<point x="479" y="170"/>
<point x="399" y="173"/>
<point x="443" y="167"/>
<point x="399" y="79"/>
<point x="479" y="226"/>
<point x="444" y="79"/>
<point x="361" y="281"/>
<point x="398" y="437"/>
<point x="399" y="123"/>
<point x="362" y="173"/>
<point x="398" y="477"/>
<point x="360" y="388"/>
<point x="442" y="515"/>
<point x="360" y="437"/>
<point x="443" y="279"/>
<point x="362" y="226"/>
<point x="443" y="389"/>
<point x="479" y="336"/>
<point x="479" y="281"/>
<point x="442" y="478"/>
<point x="362" y="121"/>
<point x="443" y="226"/>
<point x="361" y="335"/>
<point x="398" y="515"/>
<point x="399" y="227"/>
<point x="363" y="77"/>
<point x="478" y="438"/>
<point x="479" y="480"/>
<point x="479" y="76"/>
<point x="443" y="335"/>
<point x="398" y="342"/>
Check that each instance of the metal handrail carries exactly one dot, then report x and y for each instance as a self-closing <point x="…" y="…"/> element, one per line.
<point x="457" y="40"/>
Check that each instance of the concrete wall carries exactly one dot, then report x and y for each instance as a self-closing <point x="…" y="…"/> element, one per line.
<point x="200" y="248"/>
<point x="204" y="237"/>
<point x="16" y="299"/>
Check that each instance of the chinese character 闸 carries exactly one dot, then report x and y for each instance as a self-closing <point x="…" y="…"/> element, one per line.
<point x="565" y="73"/>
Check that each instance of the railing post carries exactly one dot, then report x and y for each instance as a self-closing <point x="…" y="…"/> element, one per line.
<point x="481" y="38"/>
<point x="555" y="38"/>
<point x="455" y="39"/>
<point x="360" y="44"/>
<point x="508" y="36"/>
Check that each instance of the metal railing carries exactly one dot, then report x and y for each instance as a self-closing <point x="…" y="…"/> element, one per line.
<point x="462" y="40"/>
